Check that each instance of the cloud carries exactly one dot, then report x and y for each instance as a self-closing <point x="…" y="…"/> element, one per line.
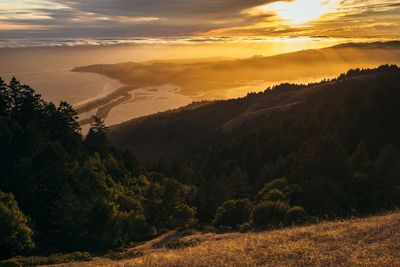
<point x="129" y="18"/>
<point x="125" y="18"/>
<point x="171" y="9"/>
<point x="349" y="19"/>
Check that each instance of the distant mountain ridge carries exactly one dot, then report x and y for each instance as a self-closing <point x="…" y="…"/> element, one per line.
<point x="389" y="44"/>
<point x="222" y="79"/>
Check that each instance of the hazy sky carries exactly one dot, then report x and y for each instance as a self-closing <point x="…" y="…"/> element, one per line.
<point x="267" y="18"/>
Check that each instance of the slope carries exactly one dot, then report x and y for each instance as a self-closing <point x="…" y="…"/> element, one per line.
<point x="373" y="241"/>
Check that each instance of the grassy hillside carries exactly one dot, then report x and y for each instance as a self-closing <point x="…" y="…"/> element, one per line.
<point x="373" y="241"/>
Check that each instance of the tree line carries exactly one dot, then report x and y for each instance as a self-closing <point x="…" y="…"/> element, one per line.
<point x="62" y="192"/>
<point x="337" y="152"/>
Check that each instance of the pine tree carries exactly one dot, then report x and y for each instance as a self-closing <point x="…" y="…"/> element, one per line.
<point x="69" y="116"/>
<point x="96" y="139"/>
<point x="14" y="88"/>
<point x="67" y="218"/>
<point x="388" y="166"/>
<point x="98" y="130"/>
<point x="359" y="162"/>
<point x="4" y="98"/>
<point x="238" y="184"/>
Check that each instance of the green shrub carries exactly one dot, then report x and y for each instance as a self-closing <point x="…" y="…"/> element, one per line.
<point x="275" y="195"/>
<point x="269" y="213"/>
<point x="246" y="227"/>
<point x="15" y="234"/>
<point x="280" y="184"/>
<point x="53" y="259"/>
<point x="233" y="213"/>
<point x="184" y="216"/>
<point x="296" y="214"/>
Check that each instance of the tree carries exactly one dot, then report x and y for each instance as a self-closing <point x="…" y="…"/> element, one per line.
<point x="15" y="233"/>
<point x="359" y="161"/>
<point x="296" y="214"/>
<point x="183" y="216"/>
<point x="98" y="129"/>
<point x="233" y="213"/>
<point x="267" y="214"/>
<point x="14" y="94"/>
<point x="332" y="158"/>
<point x="24" y="103"/>
<point x="238" y="184"/>
<point x="67" y="220"/>
<point x="275" y="190"/>
<point x="275" y="195"/>
<point x="70" y="117"/>
<point x="4" y="98"/>
<point x="96" y="139"/>
<point x="388" y="175"/>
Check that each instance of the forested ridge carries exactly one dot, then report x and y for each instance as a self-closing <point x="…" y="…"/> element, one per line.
<point x="333" y="148"/>
<point x="332" y="151"/>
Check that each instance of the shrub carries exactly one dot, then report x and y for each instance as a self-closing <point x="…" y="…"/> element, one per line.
<point x="15" y="234"/>
<point x="246" y="227"/>
<point x="233" y="213"/>
<point x="269" y="213"/>
<point x="275" y="195"/>
<point x="184" y="216"/>
<point x="280" y="184"/>
<point x="296" y="214"/>
<point x="53" y="259"/>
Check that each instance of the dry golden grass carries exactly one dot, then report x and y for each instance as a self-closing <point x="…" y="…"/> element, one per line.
<point x="373" y="241"/>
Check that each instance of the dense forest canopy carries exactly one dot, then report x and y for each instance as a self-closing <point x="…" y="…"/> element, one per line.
<point x="336" y="143"/>
<point x="63" y="192"/>
<point x="328" y="149"/>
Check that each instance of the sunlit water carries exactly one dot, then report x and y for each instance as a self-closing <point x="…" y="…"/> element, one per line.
<point x="64" y="85"/>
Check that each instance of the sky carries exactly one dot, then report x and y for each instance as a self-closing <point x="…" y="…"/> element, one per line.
<point x="201" y="18"/>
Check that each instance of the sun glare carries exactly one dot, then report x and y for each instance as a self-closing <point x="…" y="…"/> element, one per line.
<point x="301" y="11"/>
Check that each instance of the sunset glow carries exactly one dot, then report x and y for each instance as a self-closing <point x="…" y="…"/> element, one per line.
<point x="301" y="11"/>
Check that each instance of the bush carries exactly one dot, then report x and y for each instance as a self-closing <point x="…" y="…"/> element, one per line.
<point x="53" y="259"/>
<point x="296" y="214"/>
<point x="275" y="195"/>
<point x="280" y="184"/>
<point x="184" y="216"/>
<point x="269" y="213"/>
<point x="246" y="227"/>
<point x="233" y="213"/>
<point x="15" y="234"/>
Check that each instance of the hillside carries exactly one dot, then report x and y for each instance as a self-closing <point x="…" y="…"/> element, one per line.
<point x="288" y="156"/>
<point x="165" y="135"/>
<point x="335" y="143"/>
<point x="373" y="241"/>
<point x="206" y="79"/>
<point x="230" y="78"/>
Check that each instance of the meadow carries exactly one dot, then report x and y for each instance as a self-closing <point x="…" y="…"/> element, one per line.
<point x="371" y="241"/>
